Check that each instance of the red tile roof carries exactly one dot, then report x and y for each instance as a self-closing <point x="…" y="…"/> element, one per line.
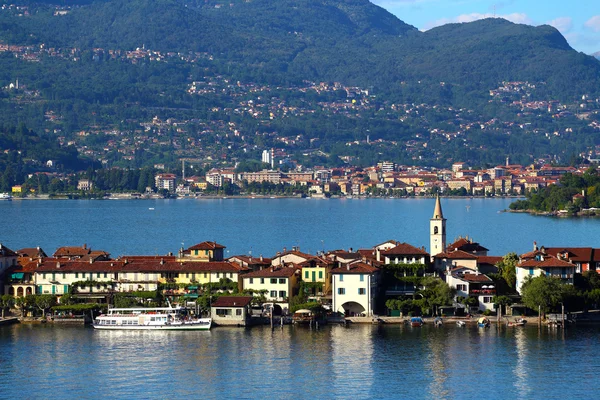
<point x="457" y="255"/>
<point x="579" y="254"/>
<point x="31" y="252"/>
<point x="491" y="260"/>
<point x="356" y="268"/>
<point x="549" y="262"/>
<point x="405" y="249"/>
<point x="272" y="272"/>
<point x="71" y="251"/>
<point x="232" y="301"/>
<point x="206" y="246"/>
<point x="6" y="252"/>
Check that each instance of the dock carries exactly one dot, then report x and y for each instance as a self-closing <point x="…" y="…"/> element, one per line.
<point x="8" y="321"/>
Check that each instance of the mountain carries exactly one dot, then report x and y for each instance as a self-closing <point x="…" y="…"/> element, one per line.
<point x="353" y="41"/>
<point x="597" y="55"/>
<point x="111" y="66"/>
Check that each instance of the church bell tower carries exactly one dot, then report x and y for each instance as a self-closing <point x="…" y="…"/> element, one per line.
<point x="437" y="230"/>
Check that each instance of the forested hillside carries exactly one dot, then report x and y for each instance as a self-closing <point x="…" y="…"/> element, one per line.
<point x="313" y="78"/>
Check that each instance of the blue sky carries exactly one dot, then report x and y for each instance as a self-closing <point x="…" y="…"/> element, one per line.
<point x="577" y="20"/>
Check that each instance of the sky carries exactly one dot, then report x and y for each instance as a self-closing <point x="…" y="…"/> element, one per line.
<point x="577" y="20"/>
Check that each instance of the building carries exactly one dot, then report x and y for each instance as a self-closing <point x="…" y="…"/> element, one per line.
<point x="231" y="310"/>
<point x="268" y="157"/>
<point x="469" y="283"/>
<point x="354" y="289"/>
<point x="165" y="181"/>
<point x="538" y="262"/>
<point x="205" y="251"/>
<point x="279" y="284"/>
<point x="404" y="253"/>
<point x="85" y="185"/>
<point x="437" y="232"/>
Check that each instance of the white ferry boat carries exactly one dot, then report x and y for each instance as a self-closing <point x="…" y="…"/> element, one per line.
<point x="5" y="196"/>
<point x="159" y="318"/>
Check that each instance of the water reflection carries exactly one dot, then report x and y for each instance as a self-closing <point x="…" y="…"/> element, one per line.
<point x="389" y="361"/>
<point x="520" y="372"/>
<point x="352" y="360"/>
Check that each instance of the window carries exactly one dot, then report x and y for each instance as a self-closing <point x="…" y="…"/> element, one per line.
<point x="282" y="293"/>
<point x="65" y="275"/>
<point x="362" y="278"/>
<point x="44" y="275"/>
<point x="320" y="274"/>
<point x="205" y="275"/>
<point x="251" y="280"/>
<point x="262" y="280"/>
<point x="461" y="287"/>
<point x="98" y="275"/>
<point x="187" y="275"/>
<point x="530" y="271"/>
<point x="282" y="281"/>
<point x="222" y="312"/>
<point x="105" y="275"/>
<point x="341" y="277"/>
<point x="273" y="280"/>
<point x="273" y="293"/>
<point x="305" y="274"/>
<point x="76" y="274"/>
<point x="362" y="291"/>
<point x="341" y="291"/>
<point x="487" y="299"/>
<point x="238" y="311"/>
<point x="217" y="275"/>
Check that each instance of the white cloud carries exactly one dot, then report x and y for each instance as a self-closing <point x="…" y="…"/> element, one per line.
<point x="593" y="23"/>
<point x="563" y="24"/>
<point x="518" y="18"/>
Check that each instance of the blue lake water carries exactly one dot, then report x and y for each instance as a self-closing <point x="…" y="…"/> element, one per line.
<point x="381" y="362"/>
<point x="265" y="226"/>
<point x="358" y="362"/>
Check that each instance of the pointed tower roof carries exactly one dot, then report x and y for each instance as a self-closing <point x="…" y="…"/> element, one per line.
<point x="437" y="211"/>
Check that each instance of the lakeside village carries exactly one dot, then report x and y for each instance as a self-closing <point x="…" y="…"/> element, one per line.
<point x="385" y="179"/>
<point x="387" y="282"/>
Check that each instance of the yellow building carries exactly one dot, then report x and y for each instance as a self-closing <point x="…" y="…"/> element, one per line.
<point x="205" y="251"/>
<point x="17" y="189"/>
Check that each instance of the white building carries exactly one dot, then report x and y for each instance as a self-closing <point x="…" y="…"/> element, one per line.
<point x="437" y="226"/>
<point x="268" y="157"/>
<point x="354" y="289"/>
<point x="469" y="283"/>
<point x="544" y="264"/>
<point x="165" y="181"/>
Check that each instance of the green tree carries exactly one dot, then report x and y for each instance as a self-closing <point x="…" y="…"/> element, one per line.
<point x="6" y="302"/>
<point x="44" y="301"/>
<point x="435" y="293"/>
<point x="508" y="270"/>
<point x="543" y="291"/>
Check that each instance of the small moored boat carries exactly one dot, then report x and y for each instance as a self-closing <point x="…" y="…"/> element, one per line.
<point x="461" y="323"/>
<point x="416" y="322"/>
<point x="483" y="322"/>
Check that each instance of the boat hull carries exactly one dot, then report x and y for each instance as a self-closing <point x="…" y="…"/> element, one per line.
<point x="186" y="327"/>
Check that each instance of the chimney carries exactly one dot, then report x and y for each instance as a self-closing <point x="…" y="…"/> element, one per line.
<point x="58" y="264"/>
<point x="348" y="267"/>
<point x="535" y="246"/>
<point x="85" y="246"/>
<point x="261" y="258"/>
<point x="162" y="261"/>
<point x="91" y="260"/>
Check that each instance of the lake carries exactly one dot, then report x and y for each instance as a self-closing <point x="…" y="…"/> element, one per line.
<point x="361" y="361"/>
<point x="266" y="226"/>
